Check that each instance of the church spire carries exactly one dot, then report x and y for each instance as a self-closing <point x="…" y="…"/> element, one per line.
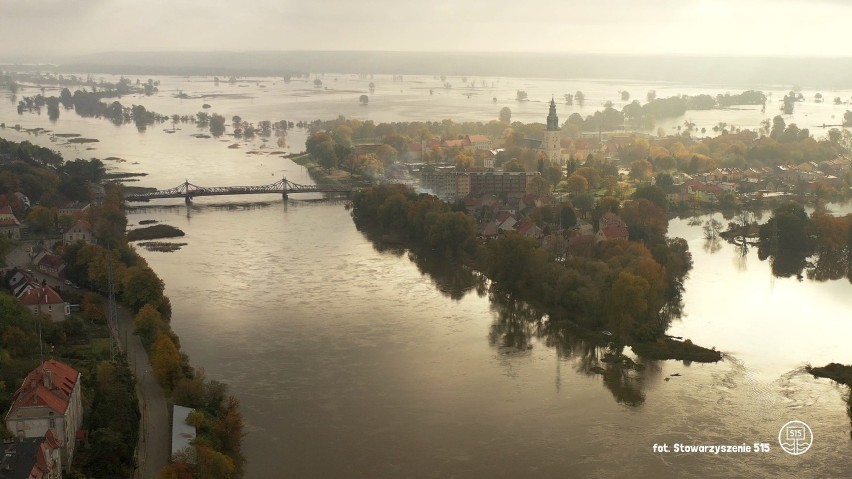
<point x="552" y="119"/>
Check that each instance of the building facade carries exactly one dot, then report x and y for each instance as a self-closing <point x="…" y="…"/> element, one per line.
<point x="551" y="145"/>
<point x="10" y="227"/>
<point x="44" y="300"/>
<point x="79" y="231"/>
<point x="452" y="185"/>
<point x="50" y="399"/>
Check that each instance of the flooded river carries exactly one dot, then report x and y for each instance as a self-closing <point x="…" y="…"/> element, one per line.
<point x="356" y="361"/>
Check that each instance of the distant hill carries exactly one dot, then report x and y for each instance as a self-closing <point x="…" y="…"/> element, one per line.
<point x="735" y="72"/>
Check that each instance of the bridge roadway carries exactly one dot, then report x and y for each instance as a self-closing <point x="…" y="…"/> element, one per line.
<point x="283" y="187"/>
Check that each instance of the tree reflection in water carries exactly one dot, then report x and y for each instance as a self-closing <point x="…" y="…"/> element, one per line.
<point x="517" y="323"/>
<point x="449" y="277"/>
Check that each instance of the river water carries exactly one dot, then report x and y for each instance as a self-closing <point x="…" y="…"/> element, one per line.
<point x="351" y="360"/>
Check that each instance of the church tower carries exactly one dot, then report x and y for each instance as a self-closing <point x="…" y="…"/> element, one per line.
<point x="552" y="148"/>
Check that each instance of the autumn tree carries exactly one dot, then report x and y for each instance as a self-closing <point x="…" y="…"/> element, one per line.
<point x="577" y="184"/>
<point x="229" y="428"/>
<point x="506" y="115"/>
<point x="538" y="186"/>
<point x="641" y="170"/>
<point x="627" y="304"/>
<point x="166" y="361"/>
<point x="141" y="286"/>
<point x="645" y="220"/>
<point x="211" y="464"/>
<point x="42" y="219"/>
<point x="147" y="324"/>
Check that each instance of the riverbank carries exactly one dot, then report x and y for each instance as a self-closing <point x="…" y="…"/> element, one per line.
<point x="336" y="176"/>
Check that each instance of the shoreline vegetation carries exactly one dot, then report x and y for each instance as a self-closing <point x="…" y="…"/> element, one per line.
<point x="157" y="231"/>
<point x="52" y="182"/>
<point x="841" y="374"/>
<point x="836" y="372"/>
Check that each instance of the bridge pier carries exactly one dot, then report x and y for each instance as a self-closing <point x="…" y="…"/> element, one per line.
<point x="284" y="195"/>
<point x="188" y="199"/>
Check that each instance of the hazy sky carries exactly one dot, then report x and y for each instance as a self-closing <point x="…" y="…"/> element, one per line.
<point x="727" y="27"/>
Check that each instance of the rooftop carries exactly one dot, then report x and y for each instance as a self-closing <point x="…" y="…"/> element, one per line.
<point x="49" y="385"/>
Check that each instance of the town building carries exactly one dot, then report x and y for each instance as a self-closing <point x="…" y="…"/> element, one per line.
<point x="182" y="433"/>
<point x="478" y="142"/>
<point x="495" y="182"/>
<point x="451" y="185"/>
<point x="551" y="145"/>
<point x="20" y="281"/>
<point x="49" y="401"/>
<point x="32" y="458"/>
<point x="611" y="227"/>
<point x="44" y="300"/>
<point x="10" y="227"/>
<point x="75" y="209"/>
<point x="50" y="264"/>
<point x="80" y="231"/>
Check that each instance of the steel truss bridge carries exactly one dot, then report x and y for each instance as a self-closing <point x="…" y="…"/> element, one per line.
<point x="188" y="191"/>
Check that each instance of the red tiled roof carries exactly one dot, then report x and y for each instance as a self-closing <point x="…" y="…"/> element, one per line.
<point x="51" y="439"/>
<point x="6" y="210"/>
<point x="503" y="216"/>
<point x="526" y="226"/>
<point x="43" y="295"/>
<point x="51" y="261"/>
<point x="9" y="222"/>
<point x="34" y="393"/>
<point x="610" y="219"/>
<point x="82" y="225"/>
<point x="615" y="232"/>
<point x="478" y="138"/>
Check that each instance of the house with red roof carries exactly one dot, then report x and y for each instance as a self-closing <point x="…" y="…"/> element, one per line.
<point x="75" y="208"/>
<point x="611" y="227"/>
<point x="478" y="142"/>
<point x="10" y="227"/>
<point x="49" y="263"/>
<point x="49" y="402"/>
<point x="454" y="144"/>
<point x="44" y="300"/>
<point x="529" y="229"/>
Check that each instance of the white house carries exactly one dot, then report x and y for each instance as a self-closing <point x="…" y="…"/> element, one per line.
<point x="44" y="300"/>
<point x="80" y="231"/>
